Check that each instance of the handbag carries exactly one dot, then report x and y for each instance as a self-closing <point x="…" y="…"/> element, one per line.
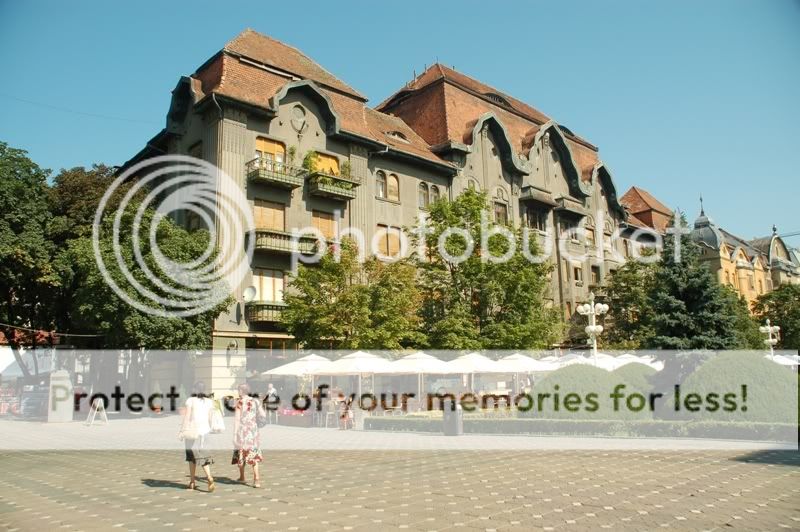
<point x="217" y="423"/>
<point x="188" y="432"/>
<point x="261" y="417"/>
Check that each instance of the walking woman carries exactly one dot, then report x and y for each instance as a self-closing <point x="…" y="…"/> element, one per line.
<point x="195" y="427"/>
<point x="249" y="413"/>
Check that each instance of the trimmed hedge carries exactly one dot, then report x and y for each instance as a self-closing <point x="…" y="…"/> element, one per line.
<point x="581" y="380"/>
<point x="783" y="432"/>
<point x="771" y="389"/>
<point x="635" y="375"/>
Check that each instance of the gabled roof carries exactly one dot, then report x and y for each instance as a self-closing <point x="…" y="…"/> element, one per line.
<point x="273" y="53"/>
<point x="443" y="106"/>
<point x="638" y="200"/>
<point x="238" y="72"/>
<point x="437" y="72"/>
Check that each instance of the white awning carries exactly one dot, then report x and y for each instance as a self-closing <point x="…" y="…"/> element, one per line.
<point x="420" y="363"/>
<point x="474" y="363"/>
<point x="308" y="365"/>
<point x="358" y="363"/>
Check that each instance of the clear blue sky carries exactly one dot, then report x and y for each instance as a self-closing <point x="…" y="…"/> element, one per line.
<point x="682" y="98"/>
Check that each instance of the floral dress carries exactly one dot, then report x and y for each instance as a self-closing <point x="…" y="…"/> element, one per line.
<point x="247" y="438"/>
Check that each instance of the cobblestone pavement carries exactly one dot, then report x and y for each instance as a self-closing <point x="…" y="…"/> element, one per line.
<point x="415" y="490"/>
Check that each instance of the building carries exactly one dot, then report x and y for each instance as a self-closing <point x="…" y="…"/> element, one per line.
<point x="751" y="268"/>
<point x="258" y="107"/>
<point x="783" y="261"/>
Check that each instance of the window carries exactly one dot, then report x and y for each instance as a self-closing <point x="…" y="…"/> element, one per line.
<point x="577" y="273"/>
<point x="473" y="185"/>
<point x="751" y="282"/>
<point x="325" y="222"/>
<point x="501" y="207"/>
<point x="435" y="194"/>
<point x="727" y="278"/>
<point x="269" y="284"/>
<point x="760" y="287"/>
<point x="590" y="236"/>
<point x="389" y="243"/>
<point x="595" y="275"/>
<point x="567" y="227"/>
<point x="568" y="310"/>
<point x="380" y="179"/>
<point x="501" y="213"/>
<point x="269" y="215"/>
<point x="393" y="189"/>
<point x="271" y="153"/>
<point x="327" y="164"/>
<point x="626" y="244"/>
<point x="423" y="197"/>
<point x="537" y="219"/>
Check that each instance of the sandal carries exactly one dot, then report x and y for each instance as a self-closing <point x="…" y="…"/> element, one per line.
<point x="192" y="485"/>
<point x="257" y="483"/>
<point x="212" y="486"/>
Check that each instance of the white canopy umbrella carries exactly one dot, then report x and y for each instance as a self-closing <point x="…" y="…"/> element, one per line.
<point x="519" y="363"/>
<point x="420" y="363"/>
<point x="358" y="363"/>
<point x="307" y="365"/>
<point x="474" y="363"/>
<point x="783" y="360"/>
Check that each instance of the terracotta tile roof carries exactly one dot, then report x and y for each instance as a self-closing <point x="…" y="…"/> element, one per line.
<point x="637" y="200"/>
<point x="438" y="71"/>
<point x="443" y="106"/>
<point x="276" y="54"/>
<point x="229" y="76"/>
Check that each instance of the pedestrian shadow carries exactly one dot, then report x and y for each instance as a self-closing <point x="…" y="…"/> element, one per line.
<point x="158" y="483"/>
<point x="776" y="457"/>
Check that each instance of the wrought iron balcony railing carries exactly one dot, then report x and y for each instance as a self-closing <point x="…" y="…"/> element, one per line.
<point x="264" y="311"/>
<point x="275" y="173"/>
<point x="331" y="186"/>
<point x="283" y="242"/>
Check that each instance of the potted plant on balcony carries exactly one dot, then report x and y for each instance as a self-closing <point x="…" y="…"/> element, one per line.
<point x="310" y="161"/>
<point x="291" y="153"/>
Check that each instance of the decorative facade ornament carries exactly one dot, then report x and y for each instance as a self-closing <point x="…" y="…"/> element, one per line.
<point x="299" y="123"/>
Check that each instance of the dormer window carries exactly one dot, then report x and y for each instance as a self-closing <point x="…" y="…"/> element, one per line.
<point x="496" y="98"/>
<point x="396" y="135"/>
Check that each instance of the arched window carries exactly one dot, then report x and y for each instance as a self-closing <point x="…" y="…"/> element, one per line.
<point x="380" y="181"/>
<point x="435" y="194"/>
<point x="423" y="196"/>
<point x="393" y="191"/>
<point x="473" y="185"/>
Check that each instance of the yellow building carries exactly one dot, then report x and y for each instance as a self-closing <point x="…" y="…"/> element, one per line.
<point x="736" y="262"/>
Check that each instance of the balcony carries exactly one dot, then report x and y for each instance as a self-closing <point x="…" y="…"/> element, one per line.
<point x="264" y="311"/>
<point x="274" y="173"/>
<point x="332" y="186"/>
<point x="283" y="242"/>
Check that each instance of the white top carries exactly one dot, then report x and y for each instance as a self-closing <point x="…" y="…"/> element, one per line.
<point x="200" y="411"/>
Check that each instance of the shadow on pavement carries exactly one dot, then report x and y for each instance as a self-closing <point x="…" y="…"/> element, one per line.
<point x="790" y="458"/>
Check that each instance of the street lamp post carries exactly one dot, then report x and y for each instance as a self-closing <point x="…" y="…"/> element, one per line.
<point x="592" y="310"/>
<point x="772" y="332"/>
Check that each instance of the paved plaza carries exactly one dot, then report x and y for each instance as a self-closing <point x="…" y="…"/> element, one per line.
<point x="414" y="490"/>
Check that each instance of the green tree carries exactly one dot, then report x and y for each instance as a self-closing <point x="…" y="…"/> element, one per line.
<point x="477" y="302"/>
<point x="688" y="308"/>
<point x="782" y="308"/>
<point x="27" y="275"/>
<point x="96" y="307"/>
<point x="628" y="297"/>
<point x="746" y="326"/>
<point x="346" y="304"/>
